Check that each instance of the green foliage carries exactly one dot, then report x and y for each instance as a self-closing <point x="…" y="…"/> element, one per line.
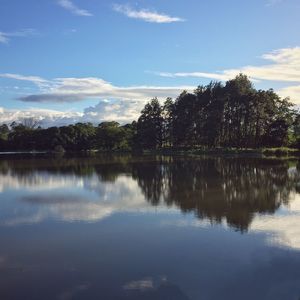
<point x="230" y="115"/>
<point x="111" y="136"/>
<point x="296" y="132"/>
<point x="150" y="125"/>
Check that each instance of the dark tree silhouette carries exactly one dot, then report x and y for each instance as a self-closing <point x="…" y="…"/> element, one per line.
<point x="233" y="114"/>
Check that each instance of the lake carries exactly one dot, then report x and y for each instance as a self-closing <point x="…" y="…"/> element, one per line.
<point x="149" y="227"/>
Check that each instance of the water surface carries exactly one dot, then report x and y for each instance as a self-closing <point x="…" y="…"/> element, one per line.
<point x="129" y="227"/>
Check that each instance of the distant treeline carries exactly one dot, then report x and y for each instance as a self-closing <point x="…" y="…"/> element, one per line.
<point x="233" y="114"/>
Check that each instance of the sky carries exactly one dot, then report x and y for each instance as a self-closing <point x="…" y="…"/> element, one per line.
<point x="67" y="61"/>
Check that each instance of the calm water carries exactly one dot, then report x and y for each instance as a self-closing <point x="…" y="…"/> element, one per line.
<point x="126" y="227"/>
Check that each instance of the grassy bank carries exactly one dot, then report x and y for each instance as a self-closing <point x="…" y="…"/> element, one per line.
<point x="279" y="152"/>
<point x="283" y="151"/>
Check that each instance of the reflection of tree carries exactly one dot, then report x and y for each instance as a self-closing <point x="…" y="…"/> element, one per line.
<point x="150" y="179"/>
<point x="233" y="189"/>
<point x="108" y="167"/>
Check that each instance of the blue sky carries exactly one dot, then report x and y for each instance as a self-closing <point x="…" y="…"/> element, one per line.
<point x="65" y="61"/>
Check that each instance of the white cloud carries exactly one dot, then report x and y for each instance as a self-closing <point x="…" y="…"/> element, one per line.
<point x="6" y="36"/>
<point x="70" y="6"/>
<point x="284" y="67"/>
<point x="122" y="111"/>
<point x="78" y="89"/>
<point x="215" y="76"/>
<point x="145" y="15"/>
<point x="46" y="117"/>
<point x="291" y="91"/>
<point x="117" y="110"/>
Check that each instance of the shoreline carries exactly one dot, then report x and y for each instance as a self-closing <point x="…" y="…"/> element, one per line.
<point x="265" y="152"/>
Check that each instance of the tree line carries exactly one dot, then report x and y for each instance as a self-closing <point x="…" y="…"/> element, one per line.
<point x="234" y="114"/>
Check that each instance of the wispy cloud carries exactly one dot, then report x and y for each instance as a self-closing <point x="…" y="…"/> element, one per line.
<point x="41" y="83"/>
<point x="3" y="38"/>
<point x="6" y="36"/>
<point x="215" y="76"/>
<point x="145" y="14"/>
<point x="283" y="67"/>
<point x="78" y="89"/>
<point x="71" y="7"/>
<point x="273" y="2"/>
<point x="34" y="79"/>
<point x="292" y="92"/>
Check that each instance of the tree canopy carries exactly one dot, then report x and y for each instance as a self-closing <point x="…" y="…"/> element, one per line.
<point x="233" y="114"/>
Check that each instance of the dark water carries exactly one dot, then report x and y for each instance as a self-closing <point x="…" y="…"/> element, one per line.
<point x="126" y="227"/>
